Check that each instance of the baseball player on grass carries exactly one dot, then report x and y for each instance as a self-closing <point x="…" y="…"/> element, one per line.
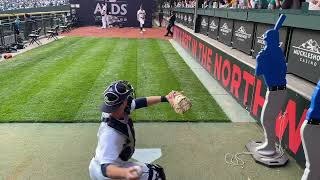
<point x="141" y="17"/>
<point x="104" y="16"/>
<point x="116" y="135"/>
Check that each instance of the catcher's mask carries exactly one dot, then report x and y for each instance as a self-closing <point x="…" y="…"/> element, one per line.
<point x="116" y="94"/>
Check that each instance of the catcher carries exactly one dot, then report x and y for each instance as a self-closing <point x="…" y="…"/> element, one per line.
<point x="116" y="135"/>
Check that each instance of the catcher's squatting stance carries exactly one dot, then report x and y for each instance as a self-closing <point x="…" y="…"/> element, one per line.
<point x="116" y="135"/>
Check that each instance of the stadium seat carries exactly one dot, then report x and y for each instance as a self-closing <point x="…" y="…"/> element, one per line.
<point x="53" y="33"/>
<point x="35" y="36"/>
<point x="66" y="27"/>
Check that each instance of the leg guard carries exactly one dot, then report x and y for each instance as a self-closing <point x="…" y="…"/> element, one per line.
<point x="156" y="172"/>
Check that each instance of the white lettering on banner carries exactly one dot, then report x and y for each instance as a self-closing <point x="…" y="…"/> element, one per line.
<point x="124" y="9"/>
<point x="189" y="19"/>
<point x="225" y="29"/>
<point x="308" y="52"/>
<point x="242" y="34"/>
<point x="213" y="26"/>
<point x="116" y="9"/>
<point x="307" y="61"/>
<point x="98" y="9"/>
<point x="204" y="23"/>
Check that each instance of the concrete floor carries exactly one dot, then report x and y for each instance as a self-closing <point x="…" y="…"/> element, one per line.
<point x="190" y="151"/>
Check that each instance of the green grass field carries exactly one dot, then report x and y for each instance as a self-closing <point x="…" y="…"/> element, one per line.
<point x="64" y="80"/>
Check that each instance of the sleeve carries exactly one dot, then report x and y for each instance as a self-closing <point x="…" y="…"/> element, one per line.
<point x="111" y="143"/>
<point x="139" y="103"/>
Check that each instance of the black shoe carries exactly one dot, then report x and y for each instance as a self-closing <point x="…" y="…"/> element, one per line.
<point x="166" y="35"/>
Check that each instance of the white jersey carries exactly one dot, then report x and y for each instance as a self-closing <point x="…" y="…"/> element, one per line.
<point x="113" y="145"/>
<point x="109" y="146"/>
<point x="111" y="141"/>
<point x="104" y="10"/>
<point x="141" y="14"/>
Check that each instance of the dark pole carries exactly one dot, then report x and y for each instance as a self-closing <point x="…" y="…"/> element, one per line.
<point x="195" y="16"/>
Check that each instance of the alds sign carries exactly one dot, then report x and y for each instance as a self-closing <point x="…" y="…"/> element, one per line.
<point x="119" y="12"/>
<point x="116" y="11"/>
<point x="115" y="8"/>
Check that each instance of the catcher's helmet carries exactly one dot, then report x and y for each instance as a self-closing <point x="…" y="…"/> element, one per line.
<point x="116" y="94"/>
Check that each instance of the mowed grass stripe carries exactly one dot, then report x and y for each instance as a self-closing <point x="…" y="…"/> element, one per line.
<point x="90" y="109"/>
<point x="14" y="96"/>
<point x="129" y="65"/>
<point x="177" y="77"/>
<point x="204" y="105"/>
<point x="69" y="86"/>
<point x="22" y="103"/>
<point x="121" y="64"/>
<point x="128" y="70"/>
<point x="154" y="78"/>
<point x="28" y="60"/>
<point x="65" y="96"/>
<point x="15" y="73"/>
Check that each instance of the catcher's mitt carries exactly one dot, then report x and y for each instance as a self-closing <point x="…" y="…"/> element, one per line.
<point x="181" y="103"/>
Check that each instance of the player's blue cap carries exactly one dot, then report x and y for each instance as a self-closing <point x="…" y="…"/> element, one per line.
<point x="115" y="95"/>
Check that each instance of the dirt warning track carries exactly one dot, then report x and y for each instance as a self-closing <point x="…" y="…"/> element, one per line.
<point x="94" y="31"/>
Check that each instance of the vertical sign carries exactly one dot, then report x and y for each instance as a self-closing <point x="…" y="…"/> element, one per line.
<point x="242" y="36"/>
<point x="304" y="54"/>
<point x="204" y="25"/>
<point x="225" y="31"/>
<point x="213" y="27"/>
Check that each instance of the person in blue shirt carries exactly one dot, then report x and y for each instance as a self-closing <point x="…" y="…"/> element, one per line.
<point x="310" y="132"/>
<point x="271" y="65"/>
<point x="16" y="26"/>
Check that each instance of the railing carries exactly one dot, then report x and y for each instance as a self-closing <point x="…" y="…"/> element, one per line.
<point x="45" y="21"/>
